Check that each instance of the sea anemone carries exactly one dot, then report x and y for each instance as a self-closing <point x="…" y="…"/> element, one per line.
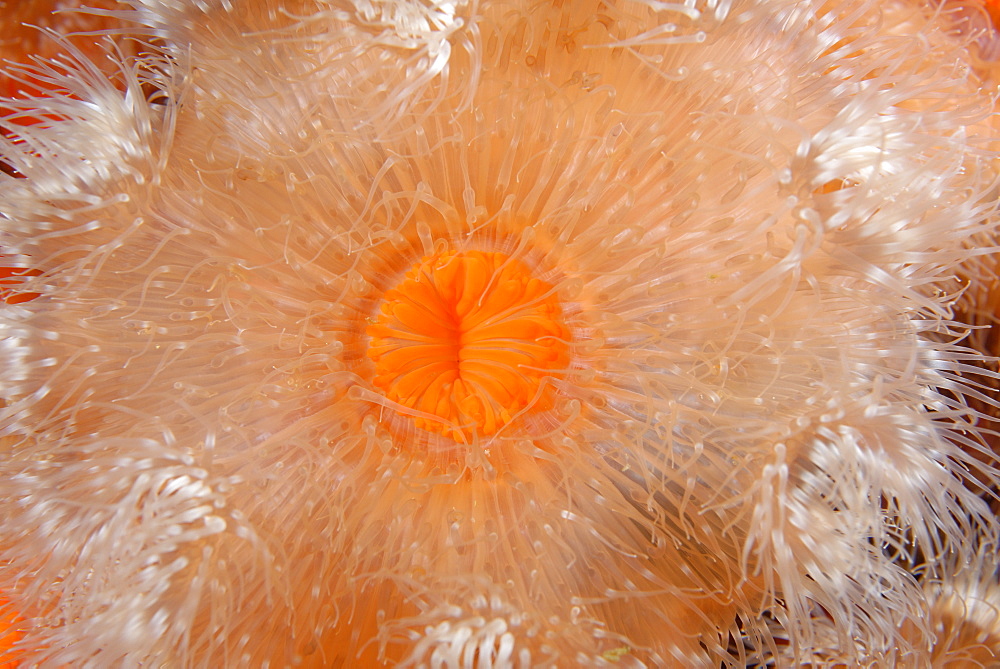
<point x="964" y="610"/>
<point x="28" y="27"/>
<point x="493" y="334"/>
<point x="961" y="614"/>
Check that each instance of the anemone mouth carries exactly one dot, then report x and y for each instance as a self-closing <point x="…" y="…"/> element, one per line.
<point x="466" y="340"/>
<point x="460" y="338"/>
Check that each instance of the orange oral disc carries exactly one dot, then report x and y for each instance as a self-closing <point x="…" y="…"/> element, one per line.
<point x="468" y="337"/>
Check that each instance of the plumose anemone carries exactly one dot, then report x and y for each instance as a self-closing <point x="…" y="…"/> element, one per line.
<point x="445" y="333"/>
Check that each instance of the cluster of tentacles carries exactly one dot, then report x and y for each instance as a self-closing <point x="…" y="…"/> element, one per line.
<point x="481" y="333"/>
